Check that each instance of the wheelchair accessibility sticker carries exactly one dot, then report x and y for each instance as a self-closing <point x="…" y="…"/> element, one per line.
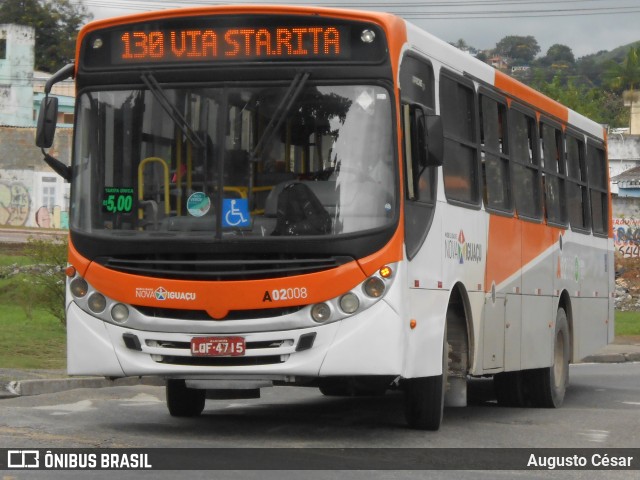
<point x="235" y="212"/>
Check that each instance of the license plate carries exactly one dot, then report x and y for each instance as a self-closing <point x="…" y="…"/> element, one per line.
<point x="217" y="346"/>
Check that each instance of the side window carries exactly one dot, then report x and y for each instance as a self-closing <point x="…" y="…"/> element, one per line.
<point x="524" y="157"/>
<point x="597" y="174"/>
<point x="416" y="82"/>
<point x="494" y="153"/>
<point x="418" y="99"/>
<point x="457" y="108"/>
<point x="578" y="198"/>
<point x="554" y="170"/>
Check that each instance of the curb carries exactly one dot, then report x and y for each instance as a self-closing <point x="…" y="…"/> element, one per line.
<point x="22" y="388"/>
<point x="612" y="358"/>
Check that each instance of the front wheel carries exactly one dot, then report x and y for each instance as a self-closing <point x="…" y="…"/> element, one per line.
<point x="424" y="397"/>
<point x="183" y="401"/>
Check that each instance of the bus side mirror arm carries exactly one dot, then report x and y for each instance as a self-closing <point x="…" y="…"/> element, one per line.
<point x="435" y="140"/>
<point x="57" y="166"/>
<point x="47" y="119"/>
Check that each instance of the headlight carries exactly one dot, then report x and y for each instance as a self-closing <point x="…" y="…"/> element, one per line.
<point x="374" y="287"/>
<point x="349" y="303"/>
<point x="96" y="302"/>
<point x="79" y="287"/>
<point x="120" y="313"/>
<point x="320" y="312"/>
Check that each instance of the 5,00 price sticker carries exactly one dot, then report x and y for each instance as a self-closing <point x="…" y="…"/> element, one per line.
<point x="117" y="200"/>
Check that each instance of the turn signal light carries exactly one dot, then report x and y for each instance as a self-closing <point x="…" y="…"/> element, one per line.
<point x="386" y="272"/>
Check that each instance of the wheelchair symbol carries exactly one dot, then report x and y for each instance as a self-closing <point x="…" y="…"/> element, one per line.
<point x="236" y="212"/>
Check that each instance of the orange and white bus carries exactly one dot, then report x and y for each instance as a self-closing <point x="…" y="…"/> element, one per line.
<point x="266" y="195"/>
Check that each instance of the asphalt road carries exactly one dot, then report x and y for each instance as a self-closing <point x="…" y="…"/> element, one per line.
<point x="602" y="410"/>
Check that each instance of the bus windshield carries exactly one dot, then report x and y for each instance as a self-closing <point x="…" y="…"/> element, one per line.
<point x="234" y="161"/>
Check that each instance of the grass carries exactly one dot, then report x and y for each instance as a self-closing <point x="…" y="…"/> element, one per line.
<point x="627" y="323"/>
<point x="36" y="343"/>
<point x="30" y="337"/>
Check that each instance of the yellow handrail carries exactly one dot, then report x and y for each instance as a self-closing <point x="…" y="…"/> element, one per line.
<point x="143" y="163"/>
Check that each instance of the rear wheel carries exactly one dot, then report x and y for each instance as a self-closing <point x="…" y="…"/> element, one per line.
<point x="547" y="386"/>
<point x="183" y="401"/>
<point x="424" y="397"/>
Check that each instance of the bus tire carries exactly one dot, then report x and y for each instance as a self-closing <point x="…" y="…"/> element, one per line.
<point x="183" y="401"/>
<point x="547" y="386"/>
<point x="424" y="397"/>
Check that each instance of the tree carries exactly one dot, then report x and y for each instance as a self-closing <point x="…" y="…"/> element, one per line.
<point x="627" y="75"/>
<point x="56" y="22"/>
<point x="559" y="54"/>
<point x="518" y="48"/>
<point x="600" y="105"/>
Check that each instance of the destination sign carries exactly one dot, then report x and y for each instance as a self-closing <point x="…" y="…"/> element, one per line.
<point x="197" y="44"/>
<point x="242" y="38"/>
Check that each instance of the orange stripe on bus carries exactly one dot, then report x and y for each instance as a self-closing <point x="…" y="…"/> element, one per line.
<point x="534" y="98"/>
<point x="220" y="297"/>
<point x="513" y="244"/>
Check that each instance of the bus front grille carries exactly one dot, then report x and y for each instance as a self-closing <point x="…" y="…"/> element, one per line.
<point x="202" y="315"/>
<point x="214" y="267"/>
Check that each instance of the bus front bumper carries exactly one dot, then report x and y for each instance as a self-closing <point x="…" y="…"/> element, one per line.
<point x="368" y="343"/>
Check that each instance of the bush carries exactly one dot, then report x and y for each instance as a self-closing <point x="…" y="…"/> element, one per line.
<point x="47" y="278"/>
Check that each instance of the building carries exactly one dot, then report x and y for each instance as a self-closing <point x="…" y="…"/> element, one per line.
<point x="16" y="74"/>
<point x="31" y="194"/>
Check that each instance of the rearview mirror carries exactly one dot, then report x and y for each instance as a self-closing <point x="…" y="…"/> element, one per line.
<point x="435" y="140"/>
<point x="47" y="118"/>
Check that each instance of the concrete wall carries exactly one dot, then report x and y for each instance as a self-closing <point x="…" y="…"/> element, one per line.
<point x="626" y="226"/>
<point x="632" y="100"/>
<point x="31" y="194"/>
<point x="624" y="154"/>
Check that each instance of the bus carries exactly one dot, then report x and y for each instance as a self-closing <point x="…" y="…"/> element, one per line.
<point x="281" y="195"/>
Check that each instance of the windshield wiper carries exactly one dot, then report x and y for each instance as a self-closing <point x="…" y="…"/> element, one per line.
<point x="278" y="117"/>
<point x="155" y="88"/>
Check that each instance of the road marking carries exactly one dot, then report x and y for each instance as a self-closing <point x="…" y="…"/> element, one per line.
<point x="78" y="407"/>
<point x="140" y="400"/>
<point x="631" y="403"/>
<point x="598" y="436"/>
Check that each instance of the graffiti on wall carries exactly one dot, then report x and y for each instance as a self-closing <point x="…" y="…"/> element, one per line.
<point x="15" y="204"/>
<point x="626" y="236"/>
<point x="16" y="209"/>
<point x="54" y="218"/>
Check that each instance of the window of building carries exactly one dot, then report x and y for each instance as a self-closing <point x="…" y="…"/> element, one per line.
<point x="494" y="152"/>
<point x="3" y="48"/>
<point x="525" y="160"/>
<point x="578" y="199"/>
<point x="461" y="166"/>
<point x="49" y="192"/>
<point x="597" y="174"/>
<point x="553" y="162"/>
